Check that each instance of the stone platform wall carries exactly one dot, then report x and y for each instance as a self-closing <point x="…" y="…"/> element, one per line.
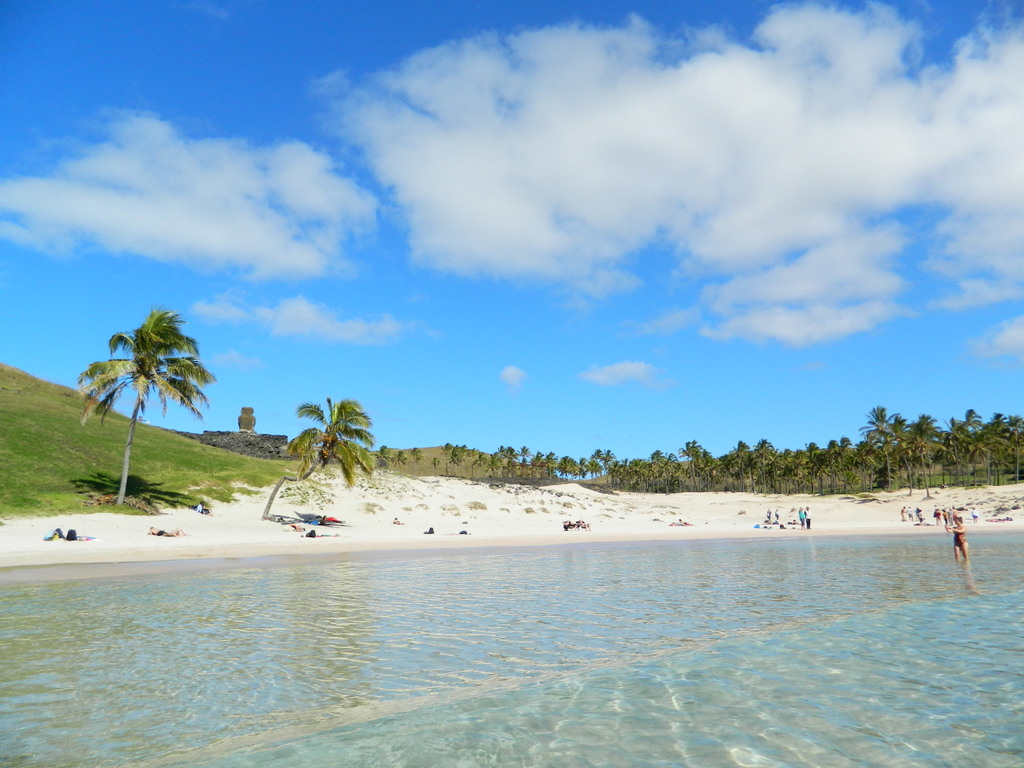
<point x="245" y="443"/>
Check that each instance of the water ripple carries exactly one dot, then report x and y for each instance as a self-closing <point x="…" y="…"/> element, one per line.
<point x="604" y="656"/>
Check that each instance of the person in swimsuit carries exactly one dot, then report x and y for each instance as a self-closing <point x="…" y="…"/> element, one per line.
<point x="959" y="537"/>
<point x="158" y="532"/>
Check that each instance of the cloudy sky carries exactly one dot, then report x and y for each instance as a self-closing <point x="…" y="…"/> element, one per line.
<point x="565" y="225"/>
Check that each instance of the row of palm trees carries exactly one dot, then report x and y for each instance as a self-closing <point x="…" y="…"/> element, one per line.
<point x="506" y="462"/>
<point x="892" y="452"/>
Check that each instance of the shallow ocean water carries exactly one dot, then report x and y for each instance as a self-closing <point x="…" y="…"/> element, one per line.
<point x="787" y="652"/>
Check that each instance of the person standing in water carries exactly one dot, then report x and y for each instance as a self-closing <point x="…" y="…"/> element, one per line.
<point x="959" y="532"/>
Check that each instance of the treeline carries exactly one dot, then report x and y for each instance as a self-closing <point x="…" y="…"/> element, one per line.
<point x="893" y="452"/>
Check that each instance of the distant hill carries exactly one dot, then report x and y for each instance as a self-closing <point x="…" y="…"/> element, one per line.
<point x="51" y="463"/>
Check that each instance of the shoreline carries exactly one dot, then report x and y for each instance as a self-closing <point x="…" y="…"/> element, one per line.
<point x="140" y="564"/>
<point x="496" y="518"/>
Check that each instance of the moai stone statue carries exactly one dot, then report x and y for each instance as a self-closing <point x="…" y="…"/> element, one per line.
<point x="246" y="421"/>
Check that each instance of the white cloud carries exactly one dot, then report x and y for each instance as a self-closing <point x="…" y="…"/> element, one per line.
<point x="1006" y="340"/>
<point x="513" y="377"/>
<point x="626" y="372"/>
<point x="210" y="203"/>
<point x="236" y="360"/>
<point x="666" y="324"/>
<point x="779" y="167"/>
<point x="299" y="317"/>
<point x="826" y="293"/>
<point x="979" y="292"/>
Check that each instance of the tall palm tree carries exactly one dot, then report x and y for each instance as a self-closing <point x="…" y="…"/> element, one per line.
<point x="898" y="436"/>
<point x="975" y="449"/>
<point x="692" y="452"/>
<point x="1015" y="432"/>
<point x="764" y="454"/>
<point x="158" y="358"/>
<point x="993" y="442"/>
<point x="494" y="463"/>
<point x="922" y="437"/>
<point x="878" y="433"/>
<point x="342" y="435"/>
<point x="524" y="454"/>
<point x="740" y="458"/>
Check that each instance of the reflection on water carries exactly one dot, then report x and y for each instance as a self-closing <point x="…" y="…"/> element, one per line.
<point x="132" y="671"/>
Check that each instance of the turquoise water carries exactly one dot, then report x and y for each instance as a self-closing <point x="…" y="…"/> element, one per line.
<point x="800" y="652"/>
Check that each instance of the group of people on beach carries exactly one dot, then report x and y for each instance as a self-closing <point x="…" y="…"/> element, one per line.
<point x="801" y="517"/>
<point x="939" y="516"/>
<point x="579" y="525"/>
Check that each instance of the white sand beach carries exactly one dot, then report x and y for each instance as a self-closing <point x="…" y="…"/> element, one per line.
<point x="493" y="515"/>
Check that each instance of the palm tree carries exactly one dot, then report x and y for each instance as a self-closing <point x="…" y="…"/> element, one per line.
<point x="158" y="358"/>
<point x="898" y="435"/>
<point x="739" y="458"/>
<point x="568" y="467"/>
<point x="975" y="446"/>
<point x="878" y="433"/>
<point x="524" y="454"/>
<point x="921" y="440"/>
<point x="342" y="435"/>
<point x="494" y="463"/>
<point x="764" y="453"/>
<point x="1015" y="431"/>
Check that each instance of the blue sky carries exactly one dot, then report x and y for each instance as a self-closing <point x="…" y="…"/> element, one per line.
<point x="570" y="226"/>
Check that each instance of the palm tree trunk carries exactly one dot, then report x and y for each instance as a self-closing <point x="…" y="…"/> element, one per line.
<point x="273" y="493"/>
<point x="128" y="452"/>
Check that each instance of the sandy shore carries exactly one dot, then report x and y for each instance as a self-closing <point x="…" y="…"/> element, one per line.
<point x="492" y="515"/>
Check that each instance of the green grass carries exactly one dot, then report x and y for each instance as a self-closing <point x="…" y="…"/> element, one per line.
<point x="52" y="464"/>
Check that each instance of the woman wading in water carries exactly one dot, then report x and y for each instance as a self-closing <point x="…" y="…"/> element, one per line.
<point x="959" y="537"/>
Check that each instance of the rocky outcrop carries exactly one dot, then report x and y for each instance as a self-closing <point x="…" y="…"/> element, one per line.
<point x="245" y="443"/>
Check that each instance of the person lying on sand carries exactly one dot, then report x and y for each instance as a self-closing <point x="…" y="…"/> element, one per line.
<point x="72" y="535"/>
<point x="175" y="532"/>
<point x="396" y="521"/>
<point x="297" y="527"/>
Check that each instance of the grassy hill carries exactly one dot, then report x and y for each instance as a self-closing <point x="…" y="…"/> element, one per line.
<point x="51" y="463"/>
